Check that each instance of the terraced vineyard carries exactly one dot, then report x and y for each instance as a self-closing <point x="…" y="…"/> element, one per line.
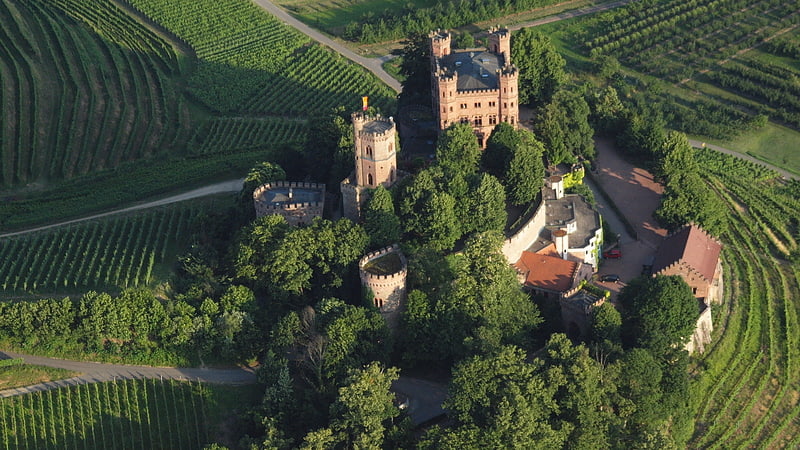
<point x="83" y="87"/>
<point x="750" y="391"/>
<point x="251" y="62"/>
<point x="722" y="43"/>
<point x="243" y="133"/>
<point x="119" y="414"/>
<point x="115" y="252"/>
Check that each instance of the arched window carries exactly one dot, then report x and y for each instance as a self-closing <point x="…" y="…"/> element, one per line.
<point x="369" y="151"/>
<point x="391" y="147"/>
<point x="369" y="179"/>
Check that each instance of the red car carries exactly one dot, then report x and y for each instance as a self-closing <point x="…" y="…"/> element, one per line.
<point x="612" y="254"/>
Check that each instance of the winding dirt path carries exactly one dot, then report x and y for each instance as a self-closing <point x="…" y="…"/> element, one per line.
<point x="92" y="372"/>
<point x="219" y="188"/>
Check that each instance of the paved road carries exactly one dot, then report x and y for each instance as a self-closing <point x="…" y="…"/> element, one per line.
<point x="219" y="188"/>
<point x="95" y="372"/>
<point x="374" y="65"/>
<point x="698" y="144"/>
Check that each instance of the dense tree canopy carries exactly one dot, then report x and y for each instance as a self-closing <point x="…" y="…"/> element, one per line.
<point x="380" y="221"/>
<point x="515" y="157"/>
<point x="563" y="126"/>
<point x="659" y="312"/>
<point x="458" y="149"/>
<point x="541" y="68"/>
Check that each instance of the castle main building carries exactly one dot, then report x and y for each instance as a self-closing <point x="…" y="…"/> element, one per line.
<point x="475" y="87"/>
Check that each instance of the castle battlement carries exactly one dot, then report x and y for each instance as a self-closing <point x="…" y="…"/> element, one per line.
<point x="298" y="201"/>
<point x="389" y="287"/>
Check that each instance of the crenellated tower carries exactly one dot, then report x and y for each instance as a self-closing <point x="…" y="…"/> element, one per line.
<point x="500" y="43"/>
<point x="374" y="140"/>
<point x="384" y="273"/>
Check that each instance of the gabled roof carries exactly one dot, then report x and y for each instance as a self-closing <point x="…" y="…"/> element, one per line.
<point x="547" y="272"/>
<point x="691" y="246"/>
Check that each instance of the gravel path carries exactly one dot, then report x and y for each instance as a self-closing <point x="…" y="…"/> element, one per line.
<point x="219" y="188"/>
<point x="92" y="372"/>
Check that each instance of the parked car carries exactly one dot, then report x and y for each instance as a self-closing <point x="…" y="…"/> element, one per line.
<point x="609" y="278"/>
<point x="612" y="254"/>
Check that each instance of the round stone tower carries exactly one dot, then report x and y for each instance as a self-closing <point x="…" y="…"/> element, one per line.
<point x="384" y="273"/>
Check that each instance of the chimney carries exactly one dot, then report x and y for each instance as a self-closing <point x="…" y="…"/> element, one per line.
<point x="556" y="184"/>
<point x="561" y="240"/>
<point x="290" y="193"/>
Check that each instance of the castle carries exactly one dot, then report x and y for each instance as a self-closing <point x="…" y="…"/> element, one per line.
<point x="298" y="202"/>
<point x="475" y="87"/>
<point x="384" y="273"/>
<point x="374" y="141"/>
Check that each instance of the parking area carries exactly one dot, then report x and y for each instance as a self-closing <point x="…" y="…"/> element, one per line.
<point x="637" y="196"/>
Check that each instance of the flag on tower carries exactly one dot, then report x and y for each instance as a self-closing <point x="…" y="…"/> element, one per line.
<point x="364" y="103"/>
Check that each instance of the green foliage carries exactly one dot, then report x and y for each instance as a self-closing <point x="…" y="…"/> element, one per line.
<point x="458" y="150"/>
<point x="606" y="323"/>
<point x="330" y="139"/>
<point x="380" y="221"/>
<point x="288" y="261"/>
<point x="660" y="312"/>
<point x="541" y="68"/>
<point x="563" y="126"/>
<point x="515" y="156"/>
<point x="364" y="405"/>
<point x="484" y="207"/>
<point x="687" y="198"/>
<point x="392" y="24"/>
<point x="262" y="173"/>
<point x="478" y="307"/>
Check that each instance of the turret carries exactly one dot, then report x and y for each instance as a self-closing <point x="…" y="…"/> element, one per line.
<point x="384" y="273"/>
<point x="440" y="43"/>
<point x="445" y="91"/>
<point x="500" y="43"/>
<point x="375" y="152"/>
<point x="508" y="81"/>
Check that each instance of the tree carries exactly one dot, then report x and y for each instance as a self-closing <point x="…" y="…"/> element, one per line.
<point x="380" y="221"/>
<point x="606" y="323"/>
<point x="607" y="111"/>
<point x="525" y="174"/>
<point x="364" y="405"/>
<point x="260" y="174"/>
<point x="485" y="205"/>
<point x="541" y="68"/>
<point x="659" y="312"/>
<point x="499" y="401"/>
<point x="564" y="128"/>
<point x="458" y="149"/>
<point x="441" y="228"/>
<point x="416" y="68"/>
<point x="329" y="147"/>
<point x="500" y="148"/>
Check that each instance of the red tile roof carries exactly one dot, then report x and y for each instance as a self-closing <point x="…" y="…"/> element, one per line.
<point x="547" y="272"/>
<point x="690" y="245"/>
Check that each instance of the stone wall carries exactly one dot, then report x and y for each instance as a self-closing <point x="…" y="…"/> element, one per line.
<point x="525" y="236"/>
<point x="702" y="332"/>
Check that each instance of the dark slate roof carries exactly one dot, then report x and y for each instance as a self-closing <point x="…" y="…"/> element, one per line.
<point x="377" y="126"/>
<point x="476" y="70"/>
<point x="690" y="245"/>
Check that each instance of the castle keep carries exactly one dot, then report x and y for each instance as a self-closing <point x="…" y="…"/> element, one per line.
<point x="375" y="161"/>
<point x="475" y="87"/>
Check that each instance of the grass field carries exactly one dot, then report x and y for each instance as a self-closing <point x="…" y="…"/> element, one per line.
<point x="27" y="374"/>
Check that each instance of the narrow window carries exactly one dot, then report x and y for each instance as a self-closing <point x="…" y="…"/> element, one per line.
<point x="369" y="151"/>
<point x="369" y="179"/>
